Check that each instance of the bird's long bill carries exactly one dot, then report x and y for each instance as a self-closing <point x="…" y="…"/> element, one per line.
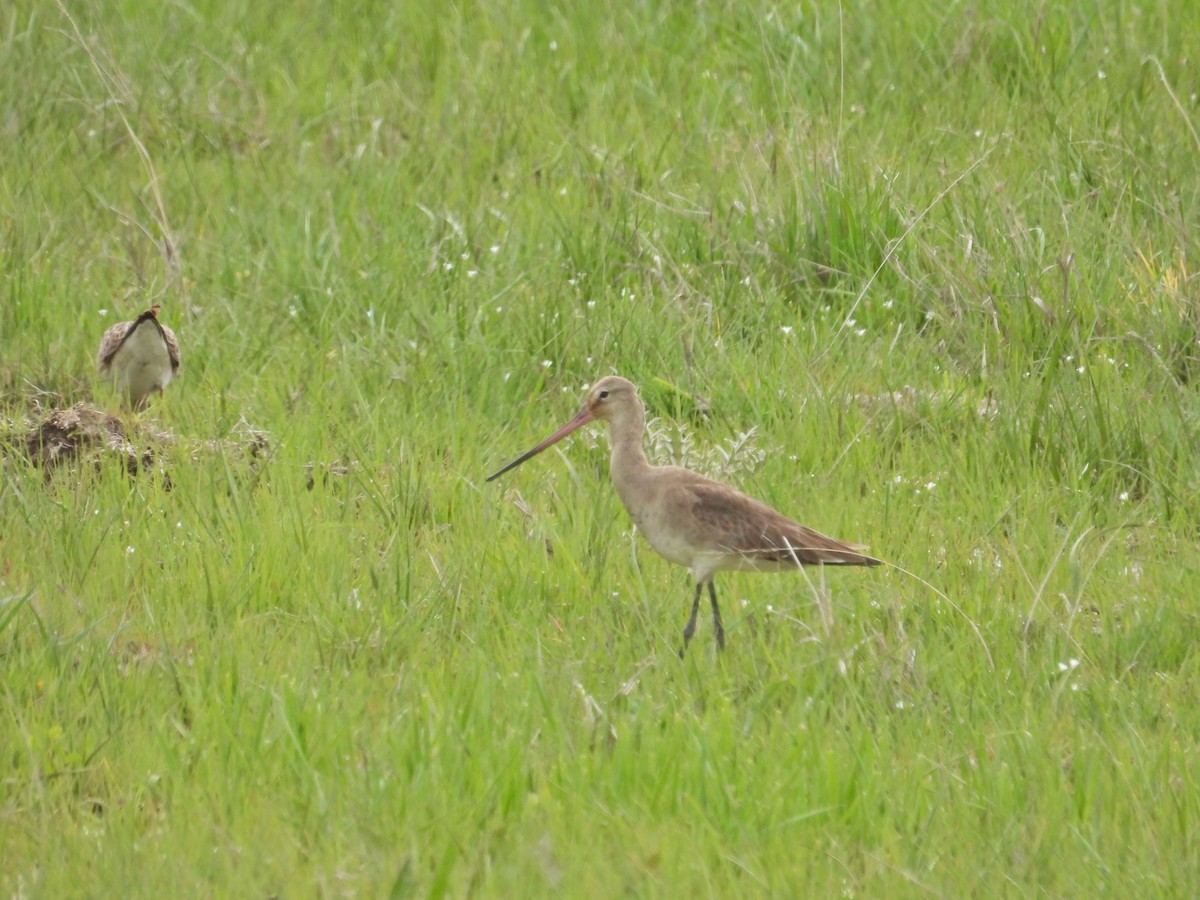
<point x="581" y="418"/>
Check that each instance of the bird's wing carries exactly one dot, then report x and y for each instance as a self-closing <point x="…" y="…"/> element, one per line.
<point x="733" y="521"/>
<point x="113" y="338"/>
<point x="172" y="345"/>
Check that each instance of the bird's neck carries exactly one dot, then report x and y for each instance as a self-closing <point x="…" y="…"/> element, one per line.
<point x="625" y="435"/>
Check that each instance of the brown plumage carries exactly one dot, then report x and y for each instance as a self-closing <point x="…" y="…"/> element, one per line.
<point x="692" y="520"/>
<point x="141" y="357"/>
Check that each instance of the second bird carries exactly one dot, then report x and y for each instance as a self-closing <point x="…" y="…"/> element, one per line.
<point x="692" y="520"/>
<point x="141" y="357"/>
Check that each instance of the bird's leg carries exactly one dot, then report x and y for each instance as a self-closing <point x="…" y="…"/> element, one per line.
<point x="712" y="595"/>
<point x="690" y="628"/>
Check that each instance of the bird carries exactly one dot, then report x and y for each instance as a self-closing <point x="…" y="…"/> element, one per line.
<point x="141" y="357"/>
<point x="691" y="520"/>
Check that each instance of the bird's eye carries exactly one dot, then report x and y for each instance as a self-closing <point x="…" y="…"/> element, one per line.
<point x="604" y="395"/>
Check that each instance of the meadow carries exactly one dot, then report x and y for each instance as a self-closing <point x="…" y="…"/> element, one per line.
<point x="920" y="275"/>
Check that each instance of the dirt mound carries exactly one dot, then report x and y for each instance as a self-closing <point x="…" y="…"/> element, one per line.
<point x="82" y="431"/>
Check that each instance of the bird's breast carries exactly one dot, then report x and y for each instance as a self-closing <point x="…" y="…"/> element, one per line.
<point x="145" y="353"/>
<point x="664" y="526"/>
<point x="670" y="545"/>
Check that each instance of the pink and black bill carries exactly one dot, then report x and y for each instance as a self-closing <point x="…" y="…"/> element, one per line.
<point x="581" y="418"/>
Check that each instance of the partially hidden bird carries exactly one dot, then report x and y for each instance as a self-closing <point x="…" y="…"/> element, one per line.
<point x="140" y="357"/>
<point x="692" y="520"/>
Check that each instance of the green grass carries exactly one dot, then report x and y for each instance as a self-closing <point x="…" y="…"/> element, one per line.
<point x="403" y="238"/>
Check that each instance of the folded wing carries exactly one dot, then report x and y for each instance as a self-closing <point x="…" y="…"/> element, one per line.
<point x="736" y="523"/>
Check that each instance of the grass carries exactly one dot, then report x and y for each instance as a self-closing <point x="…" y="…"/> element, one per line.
<point x="941" y="259"/>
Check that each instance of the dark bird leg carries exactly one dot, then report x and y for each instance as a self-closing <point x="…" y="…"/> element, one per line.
<point x="690" y="628"/>
<point x="712" y="595"/>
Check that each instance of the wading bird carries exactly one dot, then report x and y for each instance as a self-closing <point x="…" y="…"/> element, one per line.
<point x="140" y="357"/>
<point x="692" y="520"/>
